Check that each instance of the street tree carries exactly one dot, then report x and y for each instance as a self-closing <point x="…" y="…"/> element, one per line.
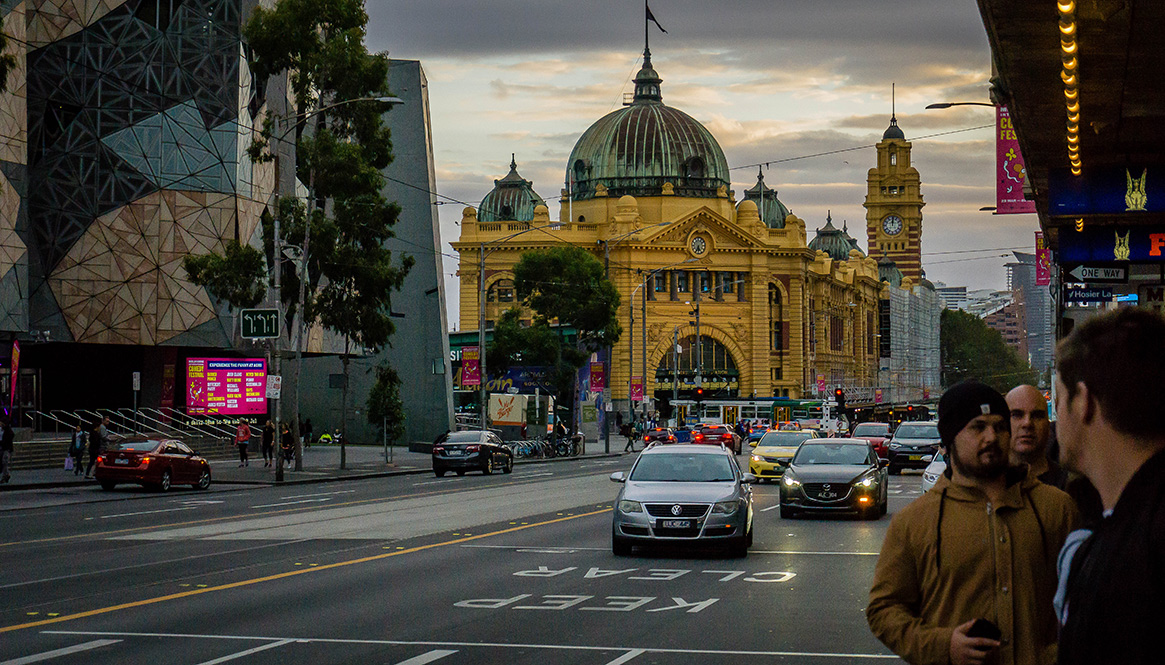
<point x="384" y="407"/>
<point x="237" y="277"/>
<point x="973" y="350"/>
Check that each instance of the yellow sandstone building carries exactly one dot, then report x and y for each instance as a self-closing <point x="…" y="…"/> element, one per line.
<point x="648" y="191"/>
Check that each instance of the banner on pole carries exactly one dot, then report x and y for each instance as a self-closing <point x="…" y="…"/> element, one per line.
<point x="1043" y="261"/>
<point x="877" y="396"/>
<point x="1010" y="171"/>
<point x="470" y="366"/>
<point x="598" y="377"/>
<point x="821" y="383"/>
<point x="637" y="389"/>
<point x="15" y="373"/>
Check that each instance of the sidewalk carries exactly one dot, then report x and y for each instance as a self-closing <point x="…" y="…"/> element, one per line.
<point x="320" y="464"/>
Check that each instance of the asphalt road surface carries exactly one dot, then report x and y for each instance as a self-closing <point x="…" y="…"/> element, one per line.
<point x="410" y="570"/>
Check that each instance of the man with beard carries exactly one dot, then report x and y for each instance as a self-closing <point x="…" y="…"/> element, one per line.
<point x="1109" y="398"/>
<point x="967" y="571"/>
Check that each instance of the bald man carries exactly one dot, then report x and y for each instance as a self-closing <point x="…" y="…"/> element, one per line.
<point x="1030" y="433"/>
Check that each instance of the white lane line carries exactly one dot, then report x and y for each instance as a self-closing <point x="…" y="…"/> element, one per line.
<point x="145" y="512"/>
<point x="292" y="503"/>
<point x="435" y="654"/>
<point x="627" y="656"/>
<point x="498" y="645"/>
<point x="57" y="653"/>
<point x="765" y="510"/>
<point x="533" y="475"/>
<point x="248" y="652"/>
<point x="308" y="496"/>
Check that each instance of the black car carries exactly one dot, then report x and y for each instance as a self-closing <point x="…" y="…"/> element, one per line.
<point x="835" y="475"/>
<point x="471" y="451"/>
<point x="658" y="435"/>
<point x="913" y="445"/>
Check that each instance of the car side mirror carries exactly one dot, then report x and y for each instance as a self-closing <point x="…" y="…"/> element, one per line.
<point x="619" y="477"/>
<point x="747" y="478"/>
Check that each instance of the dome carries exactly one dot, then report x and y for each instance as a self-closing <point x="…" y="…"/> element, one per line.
<point x="512" y="199"/>
<point x="893" y="131"/>
<point x="888" y="272"/>
<point x="636" y="149"/>
<point x="834" y="242"/>
<point x="772" y="211"/>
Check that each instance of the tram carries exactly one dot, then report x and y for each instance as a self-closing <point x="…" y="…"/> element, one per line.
<point x="809" y="413"/>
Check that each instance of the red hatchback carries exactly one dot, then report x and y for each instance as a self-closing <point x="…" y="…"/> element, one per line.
<point x="717" y="434"/>
<point x="155" y="463"/>
<point x="876" y="434"/>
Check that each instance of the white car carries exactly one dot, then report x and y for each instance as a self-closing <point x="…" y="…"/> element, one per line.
<point x="932" y="472"/>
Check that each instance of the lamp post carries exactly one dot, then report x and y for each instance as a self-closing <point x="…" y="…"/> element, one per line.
<point x="631" y="333"/>
<point x="302" y="272"/>
<point x="947" y="105"/>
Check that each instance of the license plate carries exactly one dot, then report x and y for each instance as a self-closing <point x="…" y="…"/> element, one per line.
<point x="915" y="458"/>
<point x="121" y="460"/>
<point x="827" y="495"/>
<point x="675" y="524"/>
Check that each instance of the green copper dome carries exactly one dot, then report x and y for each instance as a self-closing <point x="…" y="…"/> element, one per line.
<point x="512" y="199"/>
<point x="638" y="148"/>
<point x="834" y="242"/>
<point x="772" y="211"/>
<point x="888" y="272"/>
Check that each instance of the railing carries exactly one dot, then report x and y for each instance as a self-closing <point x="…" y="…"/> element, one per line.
<point x="142" y="421"/>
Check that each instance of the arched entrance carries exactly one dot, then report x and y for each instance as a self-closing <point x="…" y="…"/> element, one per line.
<point x="721" y="377"/>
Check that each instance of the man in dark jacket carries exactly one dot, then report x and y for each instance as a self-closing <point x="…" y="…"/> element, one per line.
<point x="7" y="437"/>
<point x="980" y="545"/>
<point x="1109" y="401"/>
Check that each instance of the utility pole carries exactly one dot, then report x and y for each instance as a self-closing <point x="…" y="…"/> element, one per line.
<point x="278" y="355"/>
<point x="482" y="393"/>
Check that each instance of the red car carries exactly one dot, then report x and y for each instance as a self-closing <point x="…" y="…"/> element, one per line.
<point x="151" y="462"/>
<point x="876" y="434"/>
<point x="717" y="434"/>
<point x="658" y="435"/>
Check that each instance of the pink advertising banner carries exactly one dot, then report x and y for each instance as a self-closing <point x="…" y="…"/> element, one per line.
<point x="598" y="377"/>
<point x="877" y="396"/>
<point x="821" y="383"/>
<point x="636" y="389"/>
<point x="1043" y="261"/>
<point x="15" y="373"/>
<point x="226" y="386"/>
<point x="1009" y="170"/>
<point x="470" y="366"/>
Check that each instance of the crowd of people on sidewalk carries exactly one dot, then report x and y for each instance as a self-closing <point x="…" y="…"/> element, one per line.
<point x="243" y="436"/>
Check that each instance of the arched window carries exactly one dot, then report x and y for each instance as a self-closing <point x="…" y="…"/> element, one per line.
<point x="580" y="170"/>
<point x="501" y="291"/>
<point x="775" y="318"/>
<point x="507" y="212"/>
<point x="893" y="159"/>
<point x="717" y="358"/>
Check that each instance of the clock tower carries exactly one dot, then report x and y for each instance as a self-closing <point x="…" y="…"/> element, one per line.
<point x="894" y="205"/>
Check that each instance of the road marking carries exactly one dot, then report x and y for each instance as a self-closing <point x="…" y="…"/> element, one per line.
<point x="308" y="496"/>
<point x="627" y="656"/>
<point x="145" y="512"/>
<point x="537" y="550"/>
<point x="291" y="503"/>
<point x="57" y="653"/>
<point x="498" y="645"/>
<point x="291" y="573"/>
<point x="814" y="553"/>
<point x="248" y="652"/>
<point x="765" y="510"/>
<point x="435" y="654"/>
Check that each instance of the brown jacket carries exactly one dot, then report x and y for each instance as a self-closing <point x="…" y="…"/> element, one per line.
<point x="951" y="557"/>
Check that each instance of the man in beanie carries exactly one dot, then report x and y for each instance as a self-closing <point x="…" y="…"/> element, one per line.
<point x="981" y="544"/>
<point x="1109" y="399"/>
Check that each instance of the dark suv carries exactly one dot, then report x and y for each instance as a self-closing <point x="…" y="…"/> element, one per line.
<point x="913" y="445"/>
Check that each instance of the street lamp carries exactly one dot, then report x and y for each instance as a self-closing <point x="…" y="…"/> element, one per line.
<point x="631" y="334"/>
<point x="947" y="105"/>
<point x="302" y="273"/>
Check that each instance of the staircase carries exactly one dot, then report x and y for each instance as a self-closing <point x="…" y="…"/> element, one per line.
<point x="51" y="453"/>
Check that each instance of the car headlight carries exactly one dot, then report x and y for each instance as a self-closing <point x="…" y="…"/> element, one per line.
<point x="790" y="481"/>
<point x="895" y="446"/>
<point x="724" y="508"/>
<point x="868" y="481"/>
<point x="626" y="506"/>
<point x="757" y="458"/>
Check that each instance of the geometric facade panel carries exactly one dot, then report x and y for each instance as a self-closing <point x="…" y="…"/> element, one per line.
<point x="13" y="173"/>
<point x="123" y="281"/>
<point x="50" y="20"/>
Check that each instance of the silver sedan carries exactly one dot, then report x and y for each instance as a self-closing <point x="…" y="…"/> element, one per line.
<point x="684" y="494"/>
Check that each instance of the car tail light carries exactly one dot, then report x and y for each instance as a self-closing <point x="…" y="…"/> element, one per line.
<point x="646" y="439"/>
<point x="472" y="449"/>
<point x="144" y="460"/>
<point x="672" y="439"/>
<point x="697" y="437"/>
<point x="101" y="459"/>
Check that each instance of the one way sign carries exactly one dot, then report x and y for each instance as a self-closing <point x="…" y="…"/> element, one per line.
<point x="1093" y="273"/>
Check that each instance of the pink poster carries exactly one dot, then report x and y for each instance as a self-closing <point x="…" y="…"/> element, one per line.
<point x="637" y="389"/>
<point x="821" y="383"/>
<point x="877" y="396"/>
<point x="598" y="377"/>
<point x="1043" y="261"/>
<point x="226" y="386"/>
<point x="1010" y="170"/>
<point x="470" y="366"/>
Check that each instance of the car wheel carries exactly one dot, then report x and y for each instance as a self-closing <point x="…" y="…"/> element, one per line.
<point x="164" y="484"/>
<point x="440" y="473"/>
<point x="787" y="512"/>
<point x="620" y="546"/>
<point x="203" y="480"/>
<point x="748" y="538"/>
<point x="509" y="468"/>
<point x="738" y="549"/>
<point x="894" y="470"/>
<point x="107" y="485"/>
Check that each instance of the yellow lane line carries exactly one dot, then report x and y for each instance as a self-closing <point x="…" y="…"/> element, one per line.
<point x="278" y="576"/>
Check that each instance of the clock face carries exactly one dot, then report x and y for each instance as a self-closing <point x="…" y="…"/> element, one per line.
<point x="699" y="245"/>
<point x="892" y="225"/>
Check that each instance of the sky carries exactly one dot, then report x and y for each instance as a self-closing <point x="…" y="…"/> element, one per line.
<point x="775" y="81"/>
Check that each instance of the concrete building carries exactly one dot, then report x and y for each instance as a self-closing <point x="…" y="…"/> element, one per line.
<point x="1039" y="311"/>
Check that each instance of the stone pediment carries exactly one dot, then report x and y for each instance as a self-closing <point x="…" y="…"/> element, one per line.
<point x="725" y="235"/>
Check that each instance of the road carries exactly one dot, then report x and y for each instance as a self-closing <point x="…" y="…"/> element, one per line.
<point x="411" y="569"/>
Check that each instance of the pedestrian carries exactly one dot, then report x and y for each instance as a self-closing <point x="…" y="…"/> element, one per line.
<point x="97" y="438"/>
<point x="7" y="437"/>
<point x="1109" y="401"/>
<point x="77" y="448"/>
<point x="242" y="439"/>
<point x="981" y="546"/>
<point x="629" y="432"/>
<point x="306" y="434"/>
<point x="1031" y="434"/>
<point x="286" y="445"/>
<point x="269" y="443"/>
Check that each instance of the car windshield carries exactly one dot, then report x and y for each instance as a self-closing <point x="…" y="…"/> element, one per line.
<point x="782" y="439"/>
<point x="683" y="468"/>
<point x="463" y="437"/>
<point x="831" y="453"/>
<point x="871" y="429"/>
<point x="917" y="431"/>
<point x="137" y="446"/>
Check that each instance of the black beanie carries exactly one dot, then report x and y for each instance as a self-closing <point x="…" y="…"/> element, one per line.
<point x="964" y="402"/>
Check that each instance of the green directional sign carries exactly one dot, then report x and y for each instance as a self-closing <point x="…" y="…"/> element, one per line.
<point x="260" y="323"/>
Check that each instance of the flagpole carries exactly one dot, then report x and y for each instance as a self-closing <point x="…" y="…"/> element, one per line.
<point x="646" y="32"/>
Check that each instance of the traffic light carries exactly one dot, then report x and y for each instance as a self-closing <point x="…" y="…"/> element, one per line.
<point x="699" y="393"/>
<point x="839" y="397"/>
<point x="910" y="412"/>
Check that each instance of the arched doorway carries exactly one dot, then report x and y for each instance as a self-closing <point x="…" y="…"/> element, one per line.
<point x="721" y="378"/>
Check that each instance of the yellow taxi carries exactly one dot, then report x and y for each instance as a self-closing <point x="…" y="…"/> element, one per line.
<point x="771" y="456"/>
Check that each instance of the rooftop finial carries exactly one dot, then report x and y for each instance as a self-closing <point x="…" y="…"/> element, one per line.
<point x="513" y="162"/>
<point x="893" y="105"/>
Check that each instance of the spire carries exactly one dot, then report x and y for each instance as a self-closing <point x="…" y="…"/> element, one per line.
<point x="513" y="161"/>
<point x="647" y="82"/>
<point x="893" y="131"/>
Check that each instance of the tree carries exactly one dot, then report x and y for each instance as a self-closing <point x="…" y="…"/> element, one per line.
<point x="384" y="407"/>
<point x="564" y="283"/>
<point x="972" y="350"/>
<point x="236" y="277"/>
<point x="351" y="275"/>
<point x="7" y="60"/>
